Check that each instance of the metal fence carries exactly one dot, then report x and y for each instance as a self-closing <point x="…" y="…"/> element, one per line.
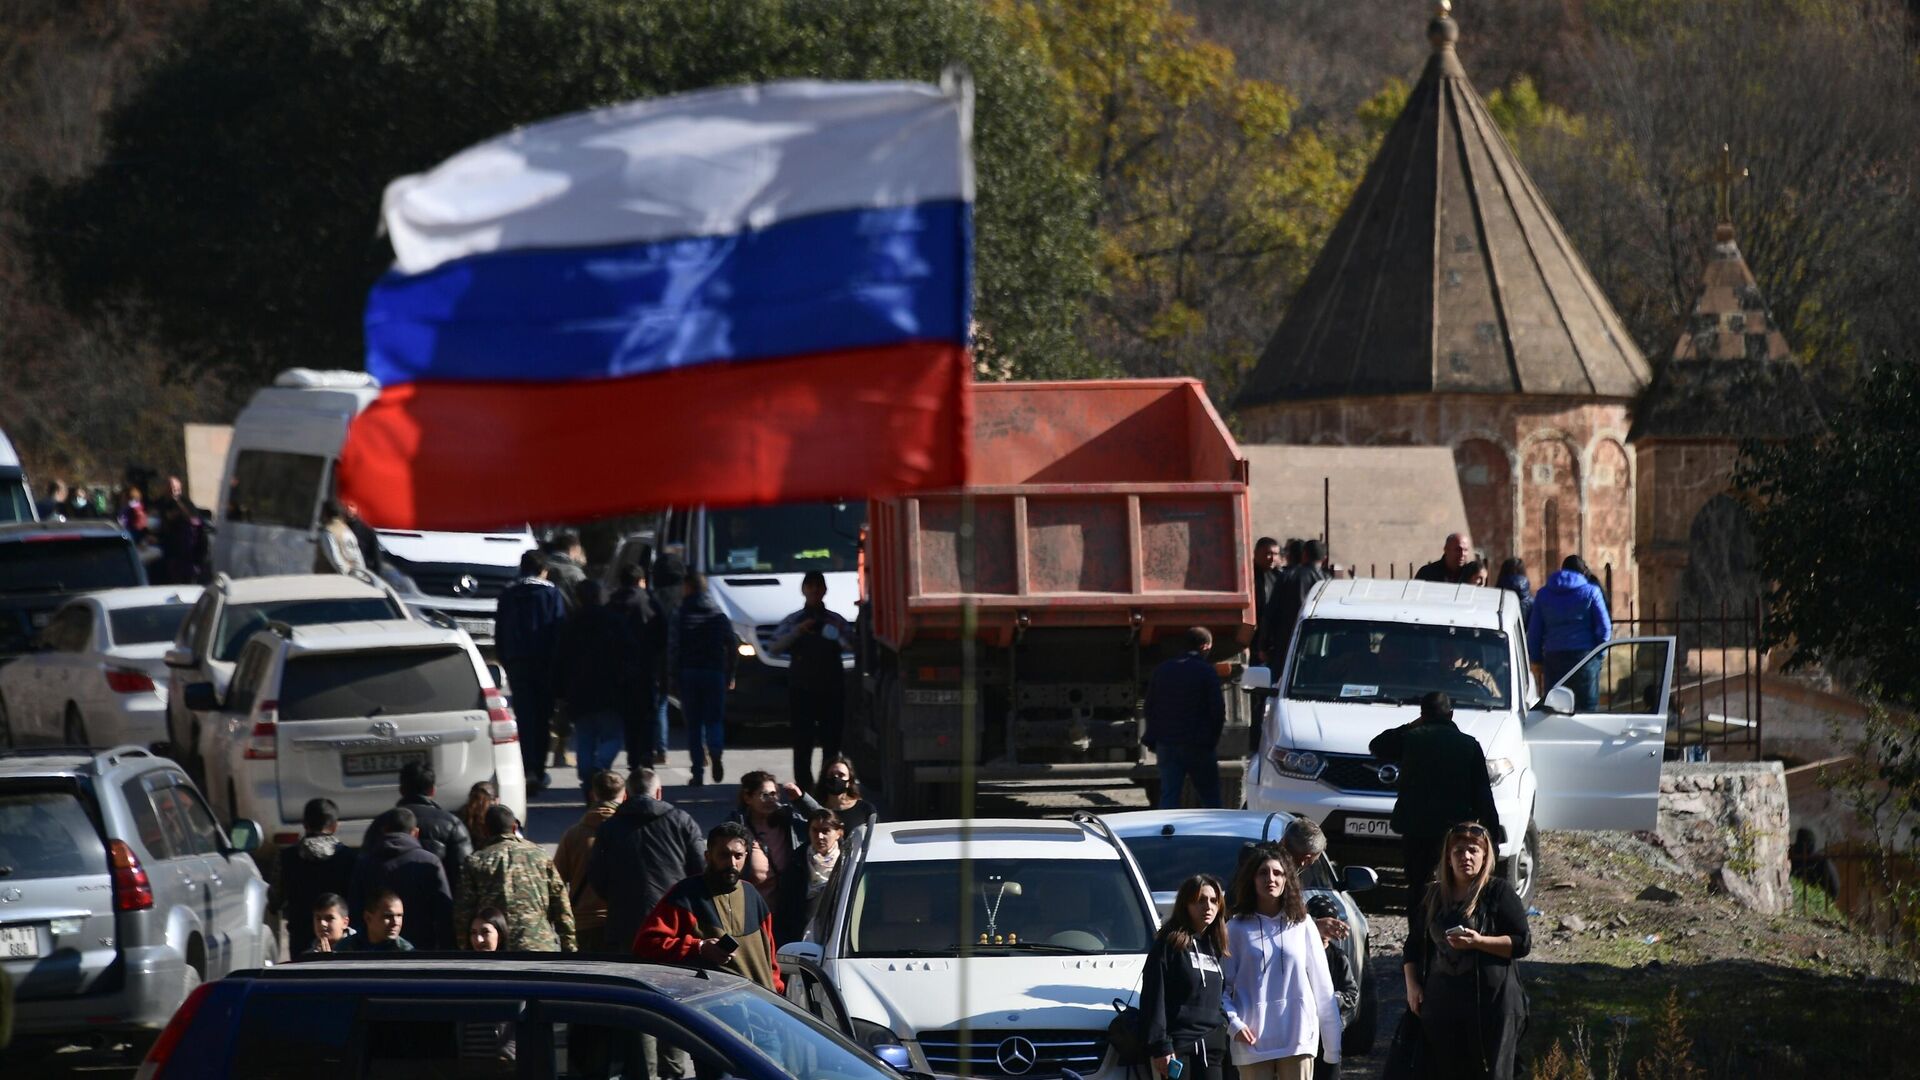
<point x="1717" y="708"/>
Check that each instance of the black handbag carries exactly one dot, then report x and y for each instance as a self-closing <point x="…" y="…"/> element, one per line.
<point x="1407" y="1054"/>
<point x="1126" y="1034"/>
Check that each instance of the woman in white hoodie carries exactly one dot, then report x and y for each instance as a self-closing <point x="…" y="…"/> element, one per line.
<point x="1279" y="997"/>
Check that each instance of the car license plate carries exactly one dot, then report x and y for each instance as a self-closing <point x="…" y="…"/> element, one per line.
<point x="19" y="942"/>
<point x="374" y="764"/>
<point x="41" y="618"/>
<point x="1374" y="827"/>
<point x="475" y="627"/>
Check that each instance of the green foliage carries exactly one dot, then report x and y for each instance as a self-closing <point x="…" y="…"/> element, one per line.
<point x="1212" y="202"/>
<point x="1520" y="110"/>
<point x="238" y="205"/>
<point x="1849" y="604"/>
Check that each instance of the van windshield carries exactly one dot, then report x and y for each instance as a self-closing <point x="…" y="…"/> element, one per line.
<point x="1399" y="663"/>
<point x="785" y="539"/>
<point x="1065" y="906"/>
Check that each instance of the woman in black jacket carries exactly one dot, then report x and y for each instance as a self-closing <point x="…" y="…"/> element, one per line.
<point x="1459" y="962"/>
<point x="1180" y="991"/>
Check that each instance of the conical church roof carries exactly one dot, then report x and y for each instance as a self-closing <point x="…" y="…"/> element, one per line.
<point x="1448" y="273"/>
<point x="1731" y="374"/>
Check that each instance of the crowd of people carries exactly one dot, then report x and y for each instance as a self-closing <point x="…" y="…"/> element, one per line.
<point x="172" y="533"/>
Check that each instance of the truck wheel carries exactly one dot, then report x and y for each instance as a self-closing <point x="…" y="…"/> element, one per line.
<point x="1358" y="1039"/>
<point x="1523" y="867"/>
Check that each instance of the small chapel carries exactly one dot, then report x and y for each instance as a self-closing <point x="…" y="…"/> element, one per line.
<point x="1450" y="310"/>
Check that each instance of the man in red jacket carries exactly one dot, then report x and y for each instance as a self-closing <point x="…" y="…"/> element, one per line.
<point x="712" y="921"/>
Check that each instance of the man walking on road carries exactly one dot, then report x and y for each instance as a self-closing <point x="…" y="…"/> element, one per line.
<point x="816" y="638"/>
<point x="642" y="851"/>
<point x="644" y="716"/>
<point x="714" y="921"/>
<point x="1186" y="710"/>
<point x="1443" y="782"/>
<point x="515" y="875"/>
<point x="441" y="831"/>
<point x="594" y="671"/>
<point x="701" y="655"/>
<point x="1450" y="567"/>
<point x="526" y="624"/>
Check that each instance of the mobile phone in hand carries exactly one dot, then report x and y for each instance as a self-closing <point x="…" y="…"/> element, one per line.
<point x="1175" y="1069"/>
<point x="1459" y="930"/>
<point x="728" y="943"/>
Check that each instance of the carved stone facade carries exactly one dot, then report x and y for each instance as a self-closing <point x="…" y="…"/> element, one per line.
<point x="1542" y="477"/>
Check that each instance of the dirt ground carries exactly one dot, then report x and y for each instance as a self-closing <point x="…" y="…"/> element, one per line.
<point x="1617" y="927"/>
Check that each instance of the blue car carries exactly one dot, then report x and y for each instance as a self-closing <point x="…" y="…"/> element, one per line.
<point x="525" y="1016"/>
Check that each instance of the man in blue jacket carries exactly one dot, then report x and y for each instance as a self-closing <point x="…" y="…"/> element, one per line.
<point x="1186" y="708"/>
<point x="1569" y="620"/>
<point x="526" y="625"/>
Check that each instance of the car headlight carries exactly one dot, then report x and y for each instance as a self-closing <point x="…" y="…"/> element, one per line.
<point x="1299" y="764"/>
<point x="1498" y="769"/>
<point x="872" y="1035"/>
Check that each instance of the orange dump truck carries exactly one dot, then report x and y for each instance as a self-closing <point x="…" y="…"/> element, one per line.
<point x="1106" y="518"/>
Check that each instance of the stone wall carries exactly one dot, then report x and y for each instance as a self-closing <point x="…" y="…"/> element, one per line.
<point x="1542" y="477"/>
<point x="1729" y="824"/>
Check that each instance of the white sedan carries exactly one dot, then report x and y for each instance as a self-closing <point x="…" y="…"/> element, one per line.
<point x="97" y="674"/>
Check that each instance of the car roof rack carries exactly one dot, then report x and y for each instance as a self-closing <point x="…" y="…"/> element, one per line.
<point x="106" y="759"/>
<point x="281" y="628"/>
<point x="1099" y="824"/>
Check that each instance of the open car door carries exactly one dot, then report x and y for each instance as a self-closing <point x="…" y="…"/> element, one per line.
<point x="1597" y="738"/>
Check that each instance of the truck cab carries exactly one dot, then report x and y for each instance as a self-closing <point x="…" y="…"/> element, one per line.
<point x="754" y="559"/>
<point x="1366" y="651"/>
<point x="280" y="469"/>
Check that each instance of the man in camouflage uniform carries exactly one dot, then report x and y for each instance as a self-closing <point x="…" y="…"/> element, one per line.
<point x="516" y="876"/>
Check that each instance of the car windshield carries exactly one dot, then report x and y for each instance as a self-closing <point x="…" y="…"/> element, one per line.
<point x="62" y="564"/>
<point x="390" y="682"/>
<point x="238" y="622"/>
<point x="797" y="1045"/>
<point x="47" y="833"/>
<point x="1168" y="861"/>
<point x="146" y="625"/>
<point x="1068" y="906"/>
<point x="15" y="503"/>
<point x="1398" y="663"/>
<point x="784" y="539"/>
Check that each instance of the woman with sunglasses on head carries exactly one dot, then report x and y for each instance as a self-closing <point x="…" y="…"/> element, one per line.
<point x="1180" y="993"/>
<point x="1279" y="1001"/>
<point x="1458" y="961"/>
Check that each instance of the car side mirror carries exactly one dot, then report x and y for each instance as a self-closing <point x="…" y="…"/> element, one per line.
<point x="1559" y="701"/>
<point x="179" y="658"/>
<point x="809" y="951"/>
<point x="200" y="697"/>
<point x="1357" y="879"/>
<point x="1256" y="678"/>
<point x="244" y="837"/>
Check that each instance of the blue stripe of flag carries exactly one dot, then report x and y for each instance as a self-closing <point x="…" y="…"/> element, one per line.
<point x="843" y="280"/>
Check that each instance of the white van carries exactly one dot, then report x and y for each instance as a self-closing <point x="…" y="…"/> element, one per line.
<point x="754" y="559"/>
<point x="280" y="468"/>
<point x="16" y="501"/>
<point x="1364" y="654"/>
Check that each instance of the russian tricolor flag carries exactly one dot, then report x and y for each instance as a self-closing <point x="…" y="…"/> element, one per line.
<point x="752" y="295"/>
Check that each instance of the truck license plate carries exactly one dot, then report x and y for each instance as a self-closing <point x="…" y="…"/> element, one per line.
<point x="373" y="764"/>
<point x="1373" y="827"/>
<point x="19" y="942"/>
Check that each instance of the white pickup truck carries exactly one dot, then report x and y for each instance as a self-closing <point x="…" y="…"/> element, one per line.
<point x="1364" y="654"/>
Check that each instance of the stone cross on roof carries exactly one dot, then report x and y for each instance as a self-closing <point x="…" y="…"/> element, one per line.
<point x="1723" y="180"/>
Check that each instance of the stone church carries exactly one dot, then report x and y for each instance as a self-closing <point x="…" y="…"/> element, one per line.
<point x="1449" y="309"/>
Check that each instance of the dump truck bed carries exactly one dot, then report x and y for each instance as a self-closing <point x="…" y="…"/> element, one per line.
<point x="1099" y="503"/>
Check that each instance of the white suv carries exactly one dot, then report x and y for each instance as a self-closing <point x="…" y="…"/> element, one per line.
<point x="337" y="710"/>
<point x="1364" y="654"/>
<point x="1060" y="924"/>
<point x="230" y="612"/>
